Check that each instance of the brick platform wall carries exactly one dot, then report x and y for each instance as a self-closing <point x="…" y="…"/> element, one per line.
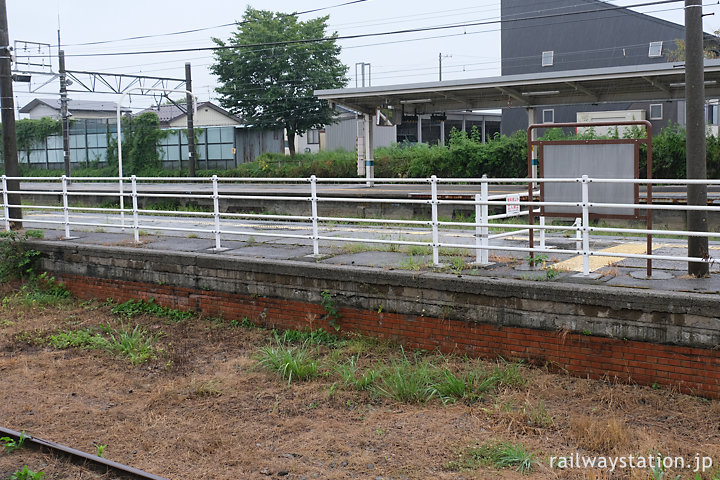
<point x="691" y="370"/>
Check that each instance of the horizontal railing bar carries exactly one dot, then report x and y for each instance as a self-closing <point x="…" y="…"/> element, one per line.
<point x="266" y="216"/>
<point x="376" y="220"/>
<point x="263" y="197"/>
<point x="263" y="234"/>
<point x="654" y="232"/>
<point x="373" y="240"/>
<point x="508" y="234"/>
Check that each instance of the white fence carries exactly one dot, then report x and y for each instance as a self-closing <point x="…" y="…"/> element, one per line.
<point x="135" y="218"/>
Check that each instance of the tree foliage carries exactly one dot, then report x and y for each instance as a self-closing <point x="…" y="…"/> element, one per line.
<point x="140" y="138"/>
<point x="710" y="49"/>
<point x="30" y="131"/>
<point x="268" y="73"/>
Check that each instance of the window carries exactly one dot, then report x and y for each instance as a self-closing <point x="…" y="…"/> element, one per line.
<point x="655" y="50"/>
<point x="656" y="111"/>
<point x="313" y="136"/>
<point x="548" y="116"/>
<point x="547" y="58"/>
<point x="712" y="114"/>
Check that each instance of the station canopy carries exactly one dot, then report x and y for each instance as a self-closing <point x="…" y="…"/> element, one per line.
<point x="654" y="82"/>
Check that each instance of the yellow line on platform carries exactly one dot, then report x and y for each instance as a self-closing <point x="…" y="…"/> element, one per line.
<point x="575" y="264"/>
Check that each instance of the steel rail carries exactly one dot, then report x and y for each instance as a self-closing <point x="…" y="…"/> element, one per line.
<point x="78" y="457"/>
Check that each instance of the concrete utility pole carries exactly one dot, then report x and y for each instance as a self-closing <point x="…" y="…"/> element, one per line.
<point x="190" y="120"/>
<point x="440" y="57"/>
<point x="64" y="116"/>
<point x="695" y="140"/>
<point x="7" y="116"/>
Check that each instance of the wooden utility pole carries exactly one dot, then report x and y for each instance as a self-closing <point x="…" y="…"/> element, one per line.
<point x="189" y="107"/>
<point x="695" y="139"/>
<point x="7" y="116"/>
<point x="64" y="116"/>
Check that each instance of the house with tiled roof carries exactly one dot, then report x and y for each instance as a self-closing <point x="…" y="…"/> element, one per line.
<point x="207" y="115"/>
<point x="78" y="109"/>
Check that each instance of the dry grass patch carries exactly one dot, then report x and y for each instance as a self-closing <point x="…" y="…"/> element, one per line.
<point x="601" y="434"/>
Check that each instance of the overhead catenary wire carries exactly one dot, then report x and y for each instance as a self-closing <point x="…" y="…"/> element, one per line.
<point x="201" y="29"/>
<point x="451" y="35"/>
<point x="368" y="35"/>
<point x="458" y="67"/>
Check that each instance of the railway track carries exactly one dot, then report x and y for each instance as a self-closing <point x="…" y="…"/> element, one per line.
<point x="93" y="462"/>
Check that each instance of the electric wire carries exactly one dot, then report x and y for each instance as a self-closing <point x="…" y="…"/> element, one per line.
<point x="368" y="35"/>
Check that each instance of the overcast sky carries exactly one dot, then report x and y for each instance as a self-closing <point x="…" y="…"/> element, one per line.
<point x="472" y="52"/>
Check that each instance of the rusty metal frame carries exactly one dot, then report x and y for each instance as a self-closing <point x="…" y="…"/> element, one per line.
<point x="636" y="142"/>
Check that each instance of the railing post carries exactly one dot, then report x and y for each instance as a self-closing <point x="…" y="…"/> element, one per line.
<point x="586" y="225"/>
<point x="578" y="234"/>
<point x="314" y="212"/>
<point x="66" y="212"/>
<point x="216" y="212"/>
<point x="435" y="232"/>
<point x="6" y="208"/>
<point x="122" y="202"/>
<point x="136" y="223"/>
<point x="542" y="232"/>
<point x="482" y="256"/>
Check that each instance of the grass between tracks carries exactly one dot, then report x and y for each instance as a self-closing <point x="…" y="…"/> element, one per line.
<point x="478" y="419"/>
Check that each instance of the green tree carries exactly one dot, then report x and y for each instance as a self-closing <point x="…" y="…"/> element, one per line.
<point x="711" y="48"/>
<point x="140" y="138"/>
<point x="268" y="71"/>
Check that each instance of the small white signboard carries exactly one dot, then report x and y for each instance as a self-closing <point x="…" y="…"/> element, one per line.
<point x="513" y="204"/>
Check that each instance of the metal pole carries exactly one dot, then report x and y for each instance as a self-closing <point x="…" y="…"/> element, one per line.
<point x="216" y="212"/>
<point x="434" y="209"/>
<point x="695" y="142"/>
<point x="190" y="120"/>
<point x="369" y="158"/>
<point x="64" y="116"/>
<point x="314" y="210"/>
<point x="136" y="223"/>
<point x="484" y="214"/>
<point x="531" y="114"/>
<point x="440" y="66"/>
<point x="6" y="209"/>
<point x="66" y="210"/>
<point x="585" y="225"/>
<point x="120" y="162"/>
<point x="7" y="117"/>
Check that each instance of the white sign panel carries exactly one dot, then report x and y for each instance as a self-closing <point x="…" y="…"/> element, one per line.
<point x="513" y="204"/>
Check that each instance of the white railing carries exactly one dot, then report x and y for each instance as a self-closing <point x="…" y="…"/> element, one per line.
<point x="318" y="226"/>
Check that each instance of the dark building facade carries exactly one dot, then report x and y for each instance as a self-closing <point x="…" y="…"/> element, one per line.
<point x="560" y="35"/>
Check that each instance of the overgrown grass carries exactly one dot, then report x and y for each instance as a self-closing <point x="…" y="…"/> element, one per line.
<point x="500" y="455"/>
<point x="352" y="375"/>
<point x="290" y="362"/>
<point x="136" y="344"/>
<point x="416" y="378"/>
<point x="133" y="308"/>
<point x="38" y="291"/>
<point x="406" y="380"/>
<point x="316" y="336"/>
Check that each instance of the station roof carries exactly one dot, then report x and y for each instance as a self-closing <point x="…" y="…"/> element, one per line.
<point x="654" y="82"/>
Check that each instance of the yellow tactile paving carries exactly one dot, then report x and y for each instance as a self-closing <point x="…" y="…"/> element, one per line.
<point x="575" y="264"/>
